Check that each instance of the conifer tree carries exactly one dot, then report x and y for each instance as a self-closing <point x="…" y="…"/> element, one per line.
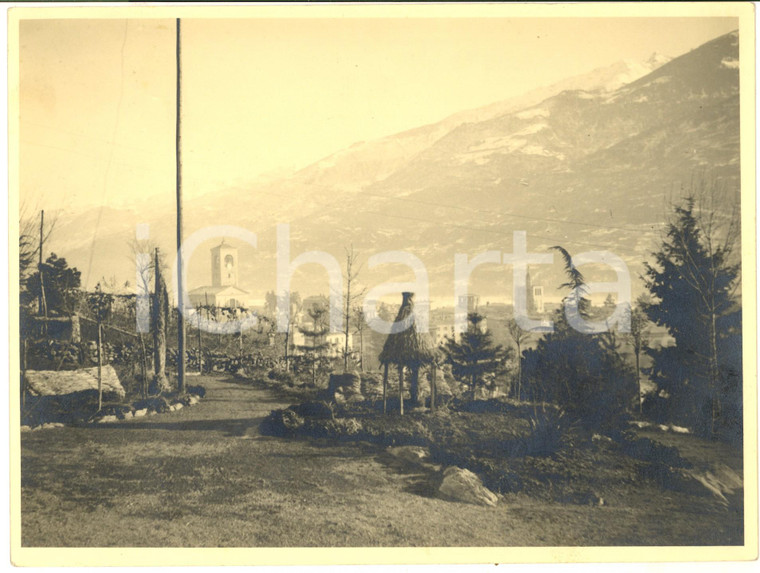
<point x="474" y="354"/>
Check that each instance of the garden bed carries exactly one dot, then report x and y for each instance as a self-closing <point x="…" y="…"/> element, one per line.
<point x="530" y="449"/>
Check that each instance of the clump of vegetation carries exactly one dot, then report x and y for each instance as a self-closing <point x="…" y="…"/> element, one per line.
<point x="580" y="371"/>
<point x="474" y="355"/>
<point x="693" y="283"/>
<point x="281" y="376"/>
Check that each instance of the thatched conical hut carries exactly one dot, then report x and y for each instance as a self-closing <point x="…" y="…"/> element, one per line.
<point x="405" y="347"/>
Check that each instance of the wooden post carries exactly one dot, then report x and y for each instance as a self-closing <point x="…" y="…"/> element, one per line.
<point x="401" y="388"/>
<point x="200" y="348"/>
<point x="180" y="281"/>
<point x="43" y="300"/>
<point x="433" y="375"/>
<point x="414" y="384"/>
<point x="100" y="365"/>
<point x="385" y="388"/>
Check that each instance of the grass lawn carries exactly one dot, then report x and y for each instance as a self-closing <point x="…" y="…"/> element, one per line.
<point x="205" y="477"/>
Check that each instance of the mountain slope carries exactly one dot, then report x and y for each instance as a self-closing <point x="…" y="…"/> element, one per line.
<point x="589" y="169"/>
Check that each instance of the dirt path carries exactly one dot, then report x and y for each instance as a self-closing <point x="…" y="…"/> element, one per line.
<point x="205" y="476"/>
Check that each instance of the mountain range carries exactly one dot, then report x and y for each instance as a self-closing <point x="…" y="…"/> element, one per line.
<point x="588" y="164"/>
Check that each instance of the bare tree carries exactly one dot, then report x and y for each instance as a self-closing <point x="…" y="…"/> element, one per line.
<point x="638" y="337"/>
<point x="296" y="305"/>
<point x="351" y="296"/>
<point x="519" y="336"/>
<point x="360" y="323"/>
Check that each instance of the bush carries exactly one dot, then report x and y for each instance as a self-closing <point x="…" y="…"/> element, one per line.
<point x="157" y="403"/>
<point x="316" y="410"/>
<point x="282" y="376"/>
<point x="551" y="429"/>
<point x="198" y="390"/>
<point x="648" y="450"/>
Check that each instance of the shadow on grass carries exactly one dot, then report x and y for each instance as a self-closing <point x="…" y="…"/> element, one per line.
<point x="230" y="427"/>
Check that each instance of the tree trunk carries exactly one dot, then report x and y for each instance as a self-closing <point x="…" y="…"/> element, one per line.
<point x="519" y="371"/>
<point x="23" y="373"/>
<point x="433" y="389"/>
<point x="143" y="367"/>
<point x="361" y="349"/>
<point x="287" y="340"/>
<point x="100" y="366"/>
<point x="160" y="383"/>
<point x="714" y="374"/>
<point x="401" y="389"/>
<point x="385" y="388"/>
<point x="638" y="381"/>
<point x="348" y="317"/>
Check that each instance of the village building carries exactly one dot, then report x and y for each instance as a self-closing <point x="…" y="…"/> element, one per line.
<point x="223" y="292"/>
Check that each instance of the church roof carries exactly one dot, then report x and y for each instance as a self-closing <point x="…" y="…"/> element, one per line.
<point x="228" y="289"/>
<point x="223" y="245"/>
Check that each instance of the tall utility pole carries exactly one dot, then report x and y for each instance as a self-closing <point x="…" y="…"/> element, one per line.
<point x="180" y="282"/>
<point x="42" y="301"/>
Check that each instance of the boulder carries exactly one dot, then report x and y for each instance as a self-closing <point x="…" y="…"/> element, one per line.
<point x="347" y="384"/>
<point x="717" y="480"/>
<point x="140" y="413"/>
<point x="410" y="454"/>
<point x="462" y="485"/>
<point x="178" y="406"/>
<point x="108" y="419"/>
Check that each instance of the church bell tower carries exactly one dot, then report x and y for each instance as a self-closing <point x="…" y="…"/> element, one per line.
<point x="224" y="265"/>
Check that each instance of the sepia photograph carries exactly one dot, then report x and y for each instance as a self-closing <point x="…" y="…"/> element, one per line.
<point x="386" y="280"/>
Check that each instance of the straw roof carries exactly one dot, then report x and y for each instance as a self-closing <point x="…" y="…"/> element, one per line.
<point x="407" y="347"/>
<point x="57" y="383"/>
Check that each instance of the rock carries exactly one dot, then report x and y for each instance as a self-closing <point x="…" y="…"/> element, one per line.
<point x="140" y="413"/>
<point x="679" y="429"/>
<point x="355" y="398"/>
<point x="178" y="406"/>
<point x="26" y="428"/>
<point x="347" y="384"/>
<point x="194" y="399"/>
<point x="462" y="485"/>
<point x="718" y="480"/>
<point x="108" y="419"/>
<point x="663" y="427"/>
<point x="410" y="454"/>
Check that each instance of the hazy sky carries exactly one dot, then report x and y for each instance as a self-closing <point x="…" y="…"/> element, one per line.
<point x="97" y="97"/>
